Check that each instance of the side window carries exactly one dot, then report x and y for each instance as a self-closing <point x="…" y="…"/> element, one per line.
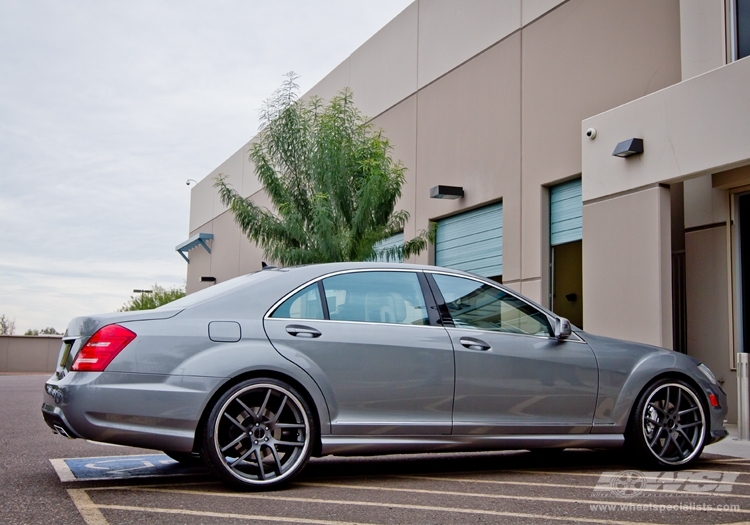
<point x="305" y="304"/>
<point x="376" y="297"/>
<point x="476" y="305"/>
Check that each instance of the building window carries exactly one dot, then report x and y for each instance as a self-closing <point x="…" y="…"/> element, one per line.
<point x="738" y="29"/>
<point x="742" y="8"/>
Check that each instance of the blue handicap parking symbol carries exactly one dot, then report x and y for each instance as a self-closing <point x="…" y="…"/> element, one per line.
<point x="121" y="467"/>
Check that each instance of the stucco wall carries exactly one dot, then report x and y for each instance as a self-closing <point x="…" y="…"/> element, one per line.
<point x="498" y="112"/>
<point x="20" y="353"/>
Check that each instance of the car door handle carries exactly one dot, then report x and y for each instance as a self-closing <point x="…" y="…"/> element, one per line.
<point x="474" y="344"/>
<point x="298" y="330"/>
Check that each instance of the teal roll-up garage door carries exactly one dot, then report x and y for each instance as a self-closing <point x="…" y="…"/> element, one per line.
<point x="472" y="241"/>
<point x="566" y="212"/>
<point x="390" y="242"/>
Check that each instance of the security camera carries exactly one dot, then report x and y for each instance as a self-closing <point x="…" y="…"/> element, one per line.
<point x="591" y="133"/>
<point x="187" y="182"/>
<point x="191" y="180"/>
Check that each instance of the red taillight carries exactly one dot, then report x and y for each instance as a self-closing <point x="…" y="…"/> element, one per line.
<point x="713" y="400"/>
<point x="102" y="348"/>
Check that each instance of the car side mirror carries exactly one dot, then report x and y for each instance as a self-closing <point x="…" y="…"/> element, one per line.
<point x="562" y="328"/>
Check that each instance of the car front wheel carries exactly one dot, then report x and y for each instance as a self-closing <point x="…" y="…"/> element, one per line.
<point x="668" y="427"/>
<point x="259" y="434"/>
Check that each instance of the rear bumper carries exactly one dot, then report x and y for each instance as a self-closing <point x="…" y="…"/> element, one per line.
<point x="141" y="410"/>
<point x="55" y="420"/>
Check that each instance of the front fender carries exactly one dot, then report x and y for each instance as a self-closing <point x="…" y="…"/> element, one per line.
<point x="625" y="368"/>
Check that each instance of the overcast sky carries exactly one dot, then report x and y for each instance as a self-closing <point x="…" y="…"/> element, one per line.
<point x="108" y="107"/>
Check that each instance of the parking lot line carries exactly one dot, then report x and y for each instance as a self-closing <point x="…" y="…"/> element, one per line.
<point x="506" y="496"/>
<point x="428" y="508"/>
<point x="88" y="509"/>
<point x="598" y="474"/>
<point x="62" y="469"/>
<point x="226" y="515"/>
<point x="568" y="486"/>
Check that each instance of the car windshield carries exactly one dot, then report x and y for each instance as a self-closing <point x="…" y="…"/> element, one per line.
<point x="220" y="289"/>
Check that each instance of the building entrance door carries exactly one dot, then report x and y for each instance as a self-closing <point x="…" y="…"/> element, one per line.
<point x="743" y="216"/>
<point x="567" y="281"/>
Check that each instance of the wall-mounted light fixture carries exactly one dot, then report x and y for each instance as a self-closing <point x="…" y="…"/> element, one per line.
<point x="446" y="192"/>
<point x="208" y="279"/>
<point x="629" y="147"/>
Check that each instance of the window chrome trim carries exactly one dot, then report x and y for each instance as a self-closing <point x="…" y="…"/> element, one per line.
<point x="732" y="44"/>
<point x="278" y="303"/>
<point x="297" y="320"/>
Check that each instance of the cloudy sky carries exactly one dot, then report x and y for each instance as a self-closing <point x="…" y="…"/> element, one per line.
<point x="108" y="107"/>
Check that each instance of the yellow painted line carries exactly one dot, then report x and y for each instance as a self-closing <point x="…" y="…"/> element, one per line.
<point x="62" y="469"/>
<point x="155" y="485"/>
<point x="617" y="504"/>
<point x="507" y="496"/>
<point x="598" y="474"/>
<point x="582" y="487"/>
<point x="567" y="486"/>
<point x="538" y="517"/>
<point x="250" y="517"/>
<point x="88" y="509"/>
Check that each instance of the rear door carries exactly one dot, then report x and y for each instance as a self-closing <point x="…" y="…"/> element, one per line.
<point x="382" y="365"/>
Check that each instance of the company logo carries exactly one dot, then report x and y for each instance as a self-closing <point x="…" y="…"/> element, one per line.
<point x="632" y="483"/>
<point x="55" y="393"/>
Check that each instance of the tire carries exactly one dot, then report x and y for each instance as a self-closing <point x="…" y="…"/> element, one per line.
<point x="258" y="435"/>
<point x="668" y="427"/>
<point x="189" y="459"/>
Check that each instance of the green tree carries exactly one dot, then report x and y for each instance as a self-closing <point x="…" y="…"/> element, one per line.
<point x="332" y="181"/>
<point x="159" y="296"/>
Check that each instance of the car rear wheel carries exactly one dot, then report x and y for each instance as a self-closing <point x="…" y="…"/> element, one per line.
<point x="668" y="427"/>
<point x="259" y="434"/>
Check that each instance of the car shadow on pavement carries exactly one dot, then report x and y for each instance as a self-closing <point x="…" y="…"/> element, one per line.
<point x="472" y="462"/>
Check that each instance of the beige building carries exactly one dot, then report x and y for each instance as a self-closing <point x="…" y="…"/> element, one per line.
<point x="522" y="103"/>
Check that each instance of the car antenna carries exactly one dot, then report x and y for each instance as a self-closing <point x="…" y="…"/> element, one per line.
<point x="264" y="266"/>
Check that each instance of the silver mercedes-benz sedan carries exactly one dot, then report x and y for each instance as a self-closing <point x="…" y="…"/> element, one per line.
<point x="257" y="374"/>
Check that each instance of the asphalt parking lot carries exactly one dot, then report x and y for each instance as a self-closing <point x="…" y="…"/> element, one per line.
<point x="576" y="486"/>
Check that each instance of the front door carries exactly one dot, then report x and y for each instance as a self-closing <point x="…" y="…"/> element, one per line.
<point x="512" y="375"/>
<point x="370" y="347"/>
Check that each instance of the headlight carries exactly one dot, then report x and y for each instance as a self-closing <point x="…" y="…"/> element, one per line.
<point x="707" y="372"/>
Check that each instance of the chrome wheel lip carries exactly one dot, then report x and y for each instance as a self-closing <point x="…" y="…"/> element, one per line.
<point x="303" y="452"/>
<point x="696" y="401"/>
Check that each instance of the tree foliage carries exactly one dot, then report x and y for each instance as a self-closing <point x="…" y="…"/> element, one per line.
<point x="7" y="325"/>
<point x="159" y="296"/>
<point x="332" y="182"/>
<point x="44" y="331"/>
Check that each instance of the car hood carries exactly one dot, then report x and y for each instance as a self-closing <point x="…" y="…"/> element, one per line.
<point x="601" y="344"/>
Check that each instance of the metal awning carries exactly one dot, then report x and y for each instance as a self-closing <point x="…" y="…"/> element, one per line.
<point x="199" y="239"/>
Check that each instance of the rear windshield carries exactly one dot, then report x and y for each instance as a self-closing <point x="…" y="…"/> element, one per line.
<point x="217" y="290"/>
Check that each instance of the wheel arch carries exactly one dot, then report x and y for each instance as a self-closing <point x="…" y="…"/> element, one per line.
<point x="255" y="374"/>
<point x="672" y="374"/>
